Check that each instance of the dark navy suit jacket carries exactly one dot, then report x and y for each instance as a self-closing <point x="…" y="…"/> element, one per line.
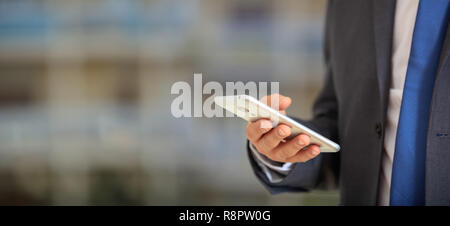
<point x="351" y="109"/>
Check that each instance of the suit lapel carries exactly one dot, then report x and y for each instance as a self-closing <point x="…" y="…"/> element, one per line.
<point x="384" y="15"/>
<point x="445" y="53"/>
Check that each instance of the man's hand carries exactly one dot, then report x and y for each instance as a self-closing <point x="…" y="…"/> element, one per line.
<point x="270" y="141"/>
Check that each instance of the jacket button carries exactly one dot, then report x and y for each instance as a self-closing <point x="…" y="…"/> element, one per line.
<point x="378" y="129"/>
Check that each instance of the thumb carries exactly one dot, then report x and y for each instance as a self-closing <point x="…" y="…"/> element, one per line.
<point x="273" y="100"/>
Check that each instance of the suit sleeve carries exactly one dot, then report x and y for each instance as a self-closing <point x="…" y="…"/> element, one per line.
<point x="322" y="171"/>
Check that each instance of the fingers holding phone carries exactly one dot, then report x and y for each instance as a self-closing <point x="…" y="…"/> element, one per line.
<point x="271" y="141"/>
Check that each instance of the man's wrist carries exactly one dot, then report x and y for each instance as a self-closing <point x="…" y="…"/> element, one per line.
<point x="279" y="167"/>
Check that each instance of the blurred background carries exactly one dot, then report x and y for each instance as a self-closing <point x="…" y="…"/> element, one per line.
<point x="85" y="98"/>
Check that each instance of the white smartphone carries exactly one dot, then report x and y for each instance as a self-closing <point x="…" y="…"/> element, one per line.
<point x="252" y="109"/>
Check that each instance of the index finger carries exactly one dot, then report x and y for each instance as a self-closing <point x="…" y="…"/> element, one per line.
<point x="255" y="130"/>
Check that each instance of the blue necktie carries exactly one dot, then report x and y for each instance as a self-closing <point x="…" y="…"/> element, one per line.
<point x="408" y="172"/>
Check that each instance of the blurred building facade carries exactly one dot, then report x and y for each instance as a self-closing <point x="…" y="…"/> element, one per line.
<point x="85" y="97"/>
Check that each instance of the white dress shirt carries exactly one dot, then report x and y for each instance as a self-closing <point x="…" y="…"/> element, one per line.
<point x="405" y="17"/>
